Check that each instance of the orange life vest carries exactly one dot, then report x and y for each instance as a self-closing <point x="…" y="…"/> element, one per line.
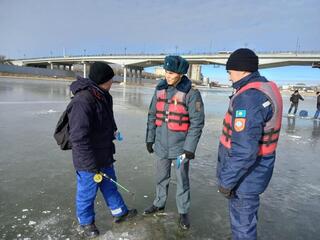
<point x="271" y="131"/>
<point x="177" y="116"/>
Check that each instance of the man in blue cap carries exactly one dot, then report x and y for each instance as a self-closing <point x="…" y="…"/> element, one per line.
<point x="251" y="129"/>
<point x="174" y="127"/>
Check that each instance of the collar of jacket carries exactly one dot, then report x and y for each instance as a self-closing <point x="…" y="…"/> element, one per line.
<point x="253" y="77"/>
<point x="183" y="86"/>
<point x="96" y="87"/>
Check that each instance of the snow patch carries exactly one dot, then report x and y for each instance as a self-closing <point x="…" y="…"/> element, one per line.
<point x="32" y="223"/>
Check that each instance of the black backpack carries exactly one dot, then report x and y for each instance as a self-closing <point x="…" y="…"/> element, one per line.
<point x="61" y="132"/>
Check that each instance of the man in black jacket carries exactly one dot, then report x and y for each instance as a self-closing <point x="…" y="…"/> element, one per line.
<point x="294" y="99"/>
<point x="92" y="131"/>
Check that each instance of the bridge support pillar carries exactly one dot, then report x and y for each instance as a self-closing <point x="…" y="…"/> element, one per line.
<point x="189" y="71"/>
<point x="139" y="76"/>
<point x="194" y="72"/>
<point x="84" y="69"/>
<point x="125" y="75"/>
<point x="130" y="75"/>
<point x="134" y="75"/>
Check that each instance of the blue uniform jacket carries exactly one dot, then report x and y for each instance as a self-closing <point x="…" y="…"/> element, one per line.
<point x="240" y="168"/>
<point x="92" y="127"/>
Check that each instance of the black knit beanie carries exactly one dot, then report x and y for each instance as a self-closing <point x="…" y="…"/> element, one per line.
<point x="243" y="59"/>
<point x="100" y="72"/>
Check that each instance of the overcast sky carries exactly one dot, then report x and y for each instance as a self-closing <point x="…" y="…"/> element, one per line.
<point x="40" y="27"/>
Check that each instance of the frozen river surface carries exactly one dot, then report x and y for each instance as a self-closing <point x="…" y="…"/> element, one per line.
<point x="37" y="180"/>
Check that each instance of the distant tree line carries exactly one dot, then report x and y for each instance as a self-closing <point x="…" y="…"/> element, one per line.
<point x="3" y="60"/>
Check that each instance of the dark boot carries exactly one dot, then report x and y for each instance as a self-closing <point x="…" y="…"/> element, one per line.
<point x="89" y="230"/>
<point x="130" y="214"/>
<point x="184" y="221"/>
<point x="153" y="209"/>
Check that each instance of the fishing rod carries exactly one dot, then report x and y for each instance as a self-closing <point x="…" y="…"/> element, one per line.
<point x="98" y="178"/>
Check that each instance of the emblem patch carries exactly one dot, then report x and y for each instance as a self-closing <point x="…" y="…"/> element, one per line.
<point x="198" y="106"/>
<point x="239" y="124"/>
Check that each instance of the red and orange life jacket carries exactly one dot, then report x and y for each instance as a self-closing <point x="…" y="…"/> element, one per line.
<point x="177" y="116"/>
<point x="271" y="131"/>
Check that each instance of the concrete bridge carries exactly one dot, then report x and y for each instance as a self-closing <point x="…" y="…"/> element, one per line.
<point x="134" y="64"/>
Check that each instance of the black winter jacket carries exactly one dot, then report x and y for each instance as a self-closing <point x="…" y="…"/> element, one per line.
<point x="92" y="126"/>
<point x="295" y="98"/>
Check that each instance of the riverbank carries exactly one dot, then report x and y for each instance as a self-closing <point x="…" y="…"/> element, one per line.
<point x="147" y="84"/>
<point x="32" y="77"/>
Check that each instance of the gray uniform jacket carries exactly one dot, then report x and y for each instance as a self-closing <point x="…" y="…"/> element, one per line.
<point x="170" y="144"/>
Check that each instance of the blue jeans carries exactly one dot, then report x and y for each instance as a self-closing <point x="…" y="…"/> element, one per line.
<point x="243" y="210"/>
<point x="316" y="115"/>
<point x="295" y="106"/>
<point x="87" y="191"/>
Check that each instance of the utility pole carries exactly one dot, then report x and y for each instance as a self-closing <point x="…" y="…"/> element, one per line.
<point x="297" y="45"/>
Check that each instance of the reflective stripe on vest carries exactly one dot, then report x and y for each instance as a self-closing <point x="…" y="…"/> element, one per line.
<point x="271" y="131"/>
<point x="177" y="116"/>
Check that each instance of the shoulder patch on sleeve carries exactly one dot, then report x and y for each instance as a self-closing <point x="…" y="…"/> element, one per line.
<point x="239" y="124"/>
<point x="198" y="106"/>
<point x="241" y="113"/>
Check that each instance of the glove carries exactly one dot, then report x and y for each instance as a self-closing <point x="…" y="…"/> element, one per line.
<point x="149" y="147"/>
<point x="227" y="193"/>
<point x="189" y="155"/>
<point x="118" y="136"/>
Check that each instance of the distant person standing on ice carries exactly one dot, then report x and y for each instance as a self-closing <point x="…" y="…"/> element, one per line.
<point x="174" y="127"/>
<point x="294" y="99"/>
<point x="251" y="129"/>
<point x="92" y="131"/>
<point x="316" y="115"/>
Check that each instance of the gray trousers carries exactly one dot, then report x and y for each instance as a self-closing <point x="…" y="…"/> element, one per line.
<point x="163" y="174"/>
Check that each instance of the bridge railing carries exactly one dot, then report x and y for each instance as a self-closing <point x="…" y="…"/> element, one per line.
<point x="167" y="53"/>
